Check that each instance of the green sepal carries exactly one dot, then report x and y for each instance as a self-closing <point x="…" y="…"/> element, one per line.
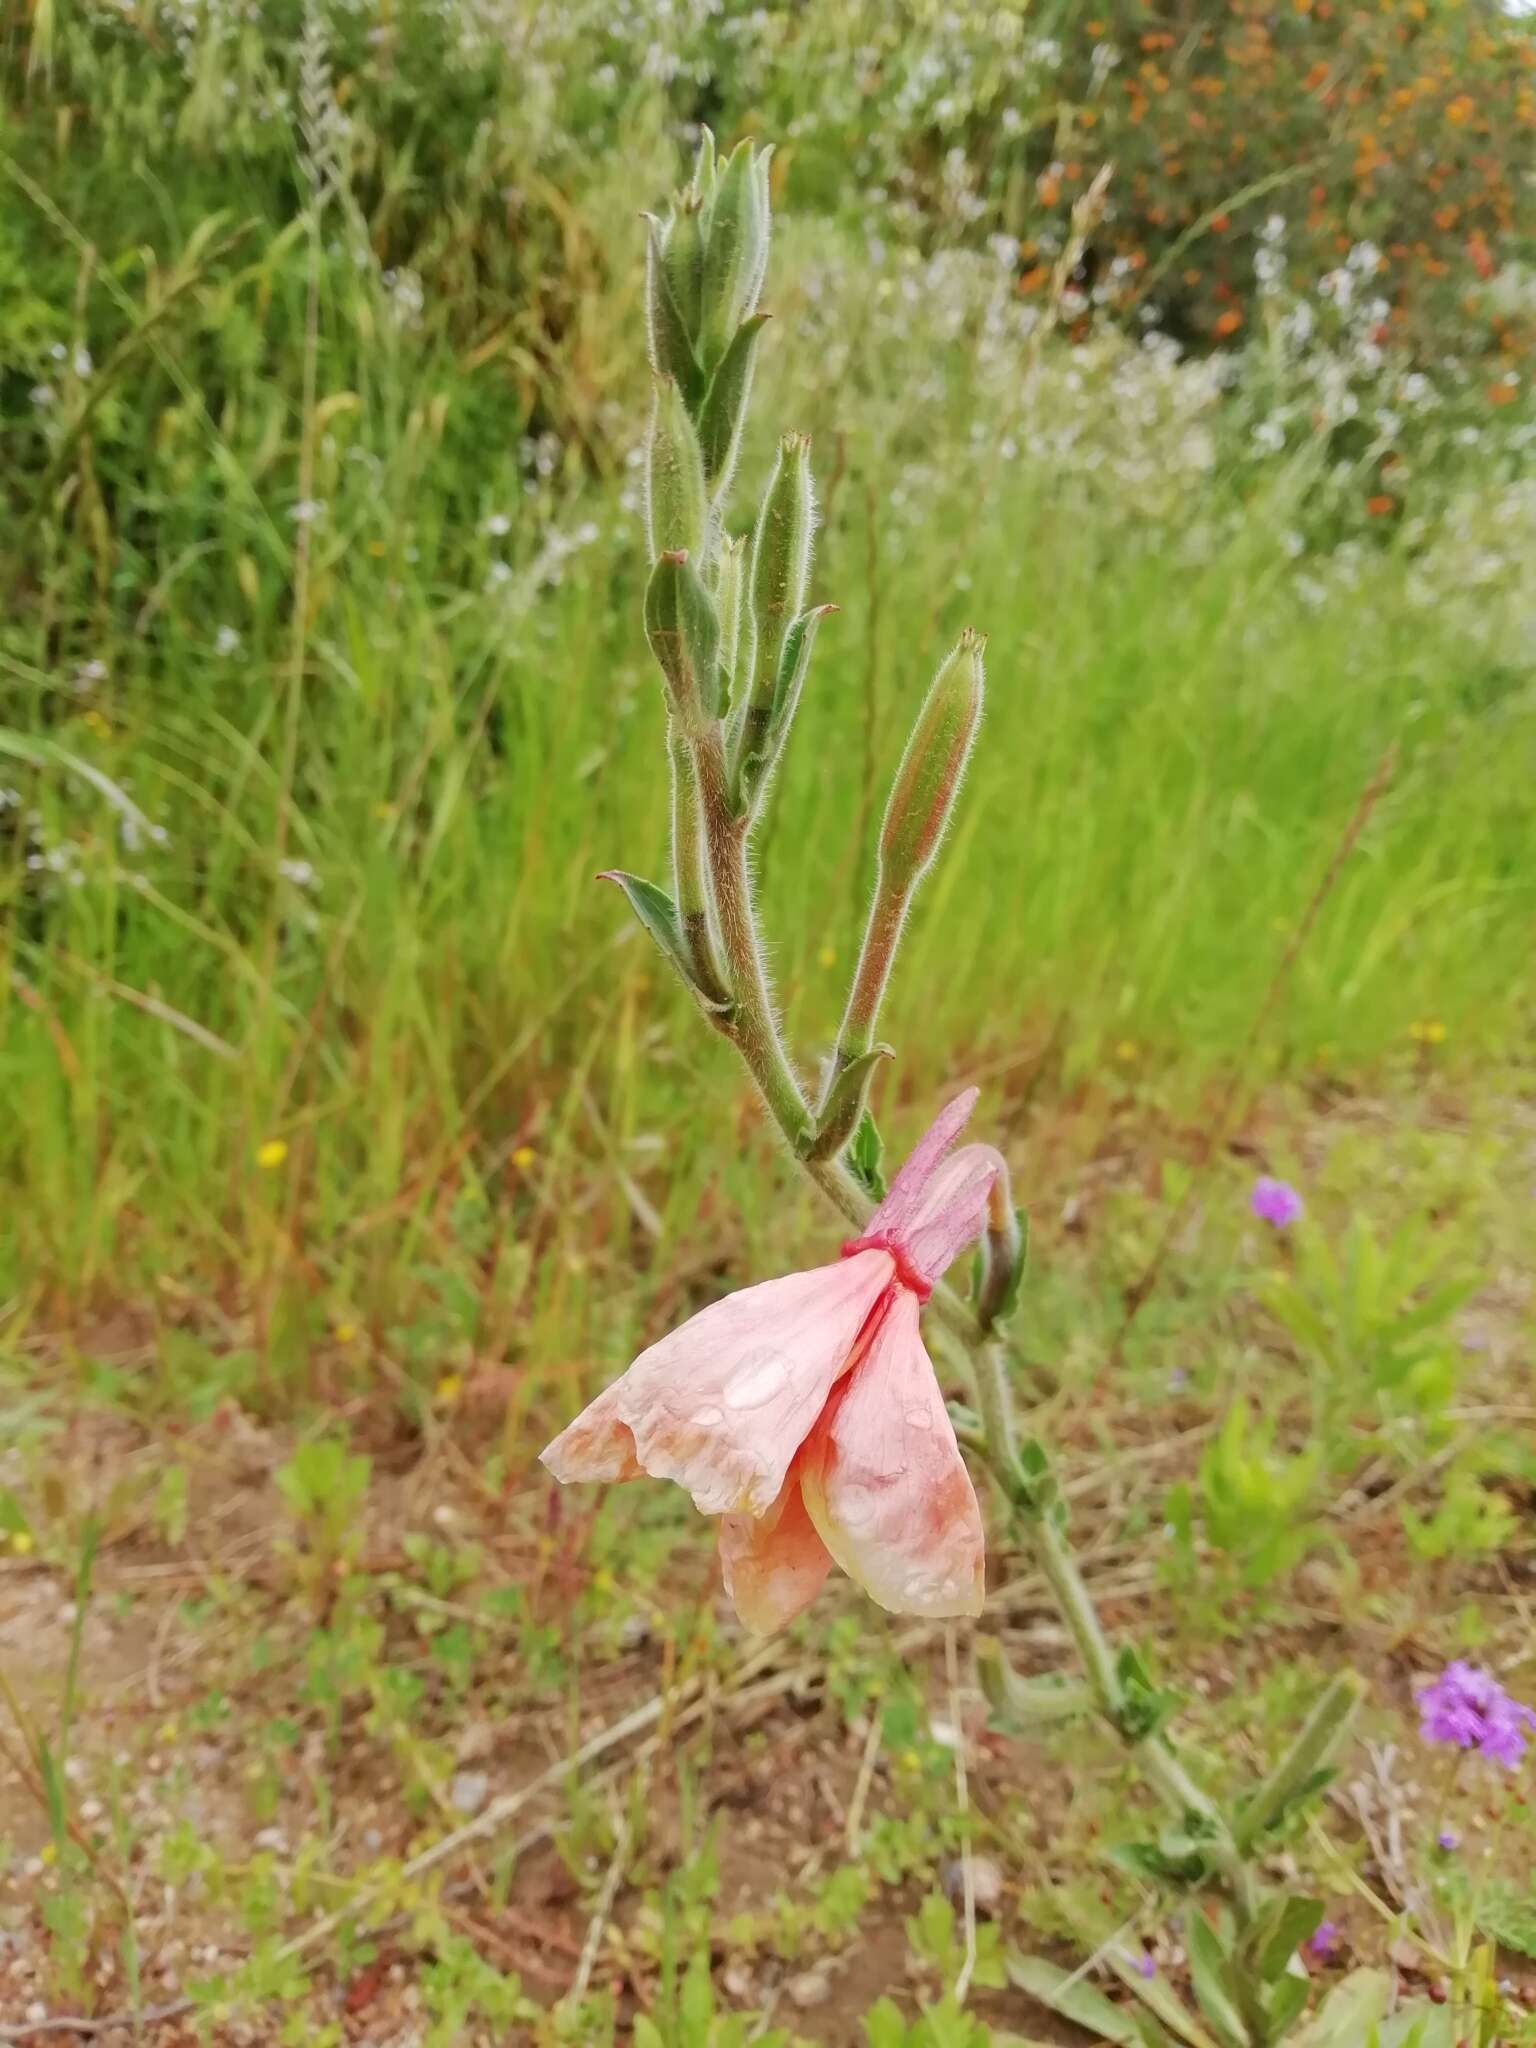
<point x="995" y="1314"/>
<point x="839" y="1115"/>
<point x="658" y="918"/>
<point x="759" y="755"/>
<point x="671" y="342"/>
<point x="865" y="1153"/>
<point x="723" y="414"/>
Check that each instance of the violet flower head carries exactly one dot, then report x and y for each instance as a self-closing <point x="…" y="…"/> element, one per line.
<point x="1470" y="1709"/>
<point x="1275" y="1201"/>
<point x="1146" y="1967"/>
<point x="1448" y="1839"/>
<point x="1324" y="1940"/>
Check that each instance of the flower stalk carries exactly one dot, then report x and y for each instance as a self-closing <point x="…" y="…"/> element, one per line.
<point x="732" y="633"/>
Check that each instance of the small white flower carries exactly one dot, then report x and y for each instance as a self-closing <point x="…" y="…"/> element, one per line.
<point x="42" y="396"/>
<point x="308" y="511"/>
<point x="499" y="524"/>
<point x="226" y="640"/>
<point x="300" y="873"/>
<point x="83" y="363"/>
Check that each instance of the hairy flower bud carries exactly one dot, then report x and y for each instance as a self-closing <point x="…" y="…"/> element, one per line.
<point x="669" y="328"/>
<point x="676" y="503"/>
<point x="781" y="551"/>
<point x="735" y="250"/>
<point x="932" y="766"/>
<point x="684" y="631"/>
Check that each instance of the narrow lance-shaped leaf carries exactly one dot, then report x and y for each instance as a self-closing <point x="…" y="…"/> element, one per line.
<point x="676" y="505"/>
<point x="657" y="915"/>
<point x="844" y="1106"/>
<point x="724" y="411"/>
<point x="794" y="661"/>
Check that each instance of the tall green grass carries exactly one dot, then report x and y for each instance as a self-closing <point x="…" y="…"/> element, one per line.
<point x="491" y="1097"/>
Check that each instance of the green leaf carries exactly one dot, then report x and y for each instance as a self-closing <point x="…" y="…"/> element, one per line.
<point x="1349" y="2012"/>
<point x="884" y="2026"/>
<point x="865" y="1153"/>
<point x="844" y="1107"/>
<point x="658" y="917"/>
<point x="1210" y="1975"/>
<point x="724" y="410"/>
<point x="1287" y="1924"/>
<point x="1074" y="2000"/>
<point x="1286" y="2000"/>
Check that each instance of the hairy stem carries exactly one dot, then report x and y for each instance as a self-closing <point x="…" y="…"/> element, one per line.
<point x="887" y="914"/>
<point x="755" y="1027"/>
<point x="690" y="882"/>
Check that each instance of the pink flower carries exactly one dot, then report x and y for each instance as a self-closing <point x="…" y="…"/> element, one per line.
<point x="805" y="1412"/>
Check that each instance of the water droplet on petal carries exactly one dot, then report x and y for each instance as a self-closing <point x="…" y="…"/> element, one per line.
<point x="919" y="1418"/>
<point x="708" y="1418"/>
<point x="759" y="1378"/>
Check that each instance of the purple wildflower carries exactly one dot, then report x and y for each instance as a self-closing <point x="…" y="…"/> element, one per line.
<point x="1146" y="1967"/>
<point x="1448" y="1839"/>
<point x="1471" y="1709"/>
<point x="1323" y="1943"/>
<point x="1275" y="1201"/>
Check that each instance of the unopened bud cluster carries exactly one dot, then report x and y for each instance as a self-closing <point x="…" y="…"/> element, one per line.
<point x="731" y="626"/>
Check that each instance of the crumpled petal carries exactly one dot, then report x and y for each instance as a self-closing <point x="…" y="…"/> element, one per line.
<point x="904" y="1197"/>
<point x="885" y="1484"/>
<point x="774" y="1565"/>
<point x="723" y="1404"/>
<point x="936" y="1205"/>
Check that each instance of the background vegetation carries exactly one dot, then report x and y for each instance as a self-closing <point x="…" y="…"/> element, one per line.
<point x="336" y="1088"/>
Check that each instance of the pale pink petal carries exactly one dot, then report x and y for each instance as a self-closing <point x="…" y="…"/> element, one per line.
<point x="951" y="1212"/>
<point x="885" y="1484"/>
<point x="597" y="1445"/>
<point x="723" y="1404"/>
<point x="905" y="1193"/>
<point x="774" y="1565"/>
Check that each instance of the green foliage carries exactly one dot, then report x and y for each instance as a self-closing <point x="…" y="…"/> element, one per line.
<point x="1258" y="1504"/>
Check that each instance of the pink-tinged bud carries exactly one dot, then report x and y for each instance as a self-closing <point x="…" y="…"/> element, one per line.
<point x="932" y="767"/>
<point x="684" y="631"/>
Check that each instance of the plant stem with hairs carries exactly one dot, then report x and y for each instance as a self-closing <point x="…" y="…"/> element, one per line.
<point x="732" y="634"/>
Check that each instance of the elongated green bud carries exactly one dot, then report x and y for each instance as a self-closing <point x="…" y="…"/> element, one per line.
<point x="781" y="553"/>
<point x="676" y="502"/>
<point x="669" y="331"/>
<point x="921" y="799"/>
<point x="684" y="632"/>
<point x="735" y="251"/>
<point x="929" y="777"/>
<point x="682" y="259"/>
